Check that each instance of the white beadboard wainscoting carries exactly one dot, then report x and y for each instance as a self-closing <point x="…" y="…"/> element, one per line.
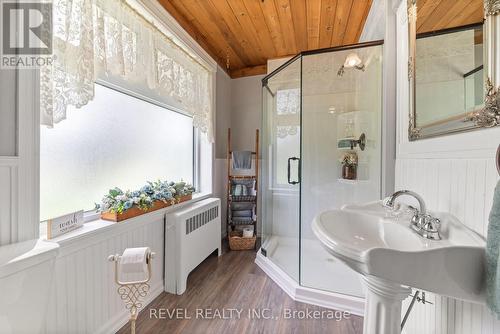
<point x="8" y="186"/>
<point x="454" y="173"/>
<point x="84" y="296"/>
<point x="463" y="187"/>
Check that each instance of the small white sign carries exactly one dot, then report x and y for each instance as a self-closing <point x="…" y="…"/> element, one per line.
<point x="64" y="224"/>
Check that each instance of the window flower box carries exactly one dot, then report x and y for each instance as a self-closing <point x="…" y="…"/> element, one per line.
<point x="136" y="211"/>
<point x="119" y="205"/>
<point x="132" y="212"/>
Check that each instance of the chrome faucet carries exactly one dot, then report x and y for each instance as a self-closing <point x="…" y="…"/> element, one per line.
<point x="421" y="222"/>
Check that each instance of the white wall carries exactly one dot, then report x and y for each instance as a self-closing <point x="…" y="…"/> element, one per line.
<point x="223" y="112"/>
<point x="374" y="28"/>
<point x="223" y="122"/>
<point x="454" y="173"/>
<point x="454" y="179"/>
<point x="19" y="161"/>
<point x="8" y="163"/>
<point x="7" y="112"/>
<point x="273" y="64"/>
<point x="239" y="107"/>
<point x="246" y="110"/>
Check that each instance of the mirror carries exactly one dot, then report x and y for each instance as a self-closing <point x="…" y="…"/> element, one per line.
<point x="447" y="69"/>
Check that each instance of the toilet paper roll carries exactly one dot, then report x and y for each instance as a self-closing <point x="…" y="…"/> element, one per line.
<point x="247" y="232"/>
<point x="133" y="260"/>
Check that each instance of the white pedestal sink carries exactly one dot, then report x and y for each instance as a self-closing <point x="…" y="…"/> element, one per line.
<point x="378" y="243"/>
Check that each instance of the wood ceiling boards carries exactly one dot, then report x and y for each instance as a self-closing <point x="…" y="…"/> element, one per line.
<point x="435" y="15"/>
<point x="246" y="33"/>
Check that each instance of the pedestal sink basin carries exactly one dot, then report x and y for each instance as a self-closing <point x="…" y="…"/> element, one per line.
<point x="378" y="242"/>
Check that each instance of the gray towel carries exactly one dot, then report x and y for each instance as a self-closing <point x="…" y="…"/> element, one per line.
<point x="492" y="256"/>
<point x="242" y="206"/>
<point x="240" y="190"/>
<point x="242" y="160"/>
<point x="242" y="220"/>
<point x="242" y="213"/>
<point x="242" y="187"/>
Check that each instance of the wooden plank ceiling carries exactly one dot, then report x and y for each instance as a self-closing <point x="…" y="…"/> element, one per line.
<point x="244" y="34"/>
<point x="435" y="15"/>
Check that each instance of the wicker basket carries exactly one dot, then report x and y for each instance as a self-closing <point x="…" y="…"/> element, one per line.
<point x="237" y="242"/>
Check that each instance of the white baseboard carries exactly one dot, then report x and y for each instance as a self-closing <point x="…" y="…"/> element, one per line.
<point x="119" y="320"/>
<point x="331" y="300"/>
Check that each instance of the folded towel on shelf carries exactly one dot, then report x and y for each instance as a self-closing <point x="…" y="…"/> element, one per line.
<point x="237" y="190"/>
<point x="492" y="256"/>
<point x="242" y="206"/>
<point x="242" y="220"/>
<point x="242" y="159"/>
<point x="242" y="213"/>
<point x="242" y="187"/>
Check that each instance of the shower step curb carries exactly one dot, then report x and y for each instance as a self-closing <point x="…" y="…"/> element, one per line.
<point x="331" y="300"/>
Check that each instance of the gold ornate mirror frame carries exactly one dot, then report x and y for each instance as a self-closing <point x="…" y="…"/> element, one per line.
<point x="487" y="117"/>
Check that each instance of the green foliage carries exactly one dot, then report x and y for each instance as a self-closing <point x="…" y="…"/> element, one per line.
<point x="119" y="201"/>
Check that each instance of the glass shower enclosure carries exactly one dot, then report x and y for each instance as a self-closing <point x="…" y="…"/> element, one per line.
<point x="322" y="119"/>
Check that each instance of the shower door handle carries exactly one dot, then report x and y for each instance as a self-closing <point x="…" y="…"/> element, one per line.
<point x="289" y="170"/>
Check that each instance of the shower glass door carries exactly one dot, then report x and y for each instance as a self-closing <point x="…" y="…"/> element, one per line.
<point x="316" y="108"/>
<point x="340" y="103"/>
<point x="281" y="168"/>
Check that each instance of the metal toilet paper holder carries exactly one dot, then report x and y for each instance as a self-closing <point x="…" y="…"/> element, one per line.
<point x="132" y="292"/>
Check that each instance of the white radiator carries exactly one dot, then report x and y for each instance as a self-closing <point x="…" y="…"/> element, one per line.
<point x="191" y="235"/>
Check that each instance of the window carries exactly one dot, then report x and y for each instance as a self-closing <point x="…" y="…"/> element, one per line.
<point x="116" y="140"/>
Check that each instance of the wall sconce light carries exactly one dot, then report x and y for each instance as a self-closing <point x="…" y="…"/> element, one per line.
<point x="351" y="61"/>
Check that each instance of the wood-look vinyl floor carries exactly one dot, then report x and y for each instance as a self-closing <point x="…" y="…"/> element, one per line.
<point x="229" y="284"/>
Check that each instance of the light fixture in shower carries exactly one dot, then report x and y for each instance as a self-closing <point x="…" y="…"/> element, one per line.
<point x="351" y="61"/>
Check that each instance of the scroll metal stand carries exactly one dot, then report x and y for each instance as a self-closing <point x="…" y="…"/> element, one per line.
<point x="132" y="292"/>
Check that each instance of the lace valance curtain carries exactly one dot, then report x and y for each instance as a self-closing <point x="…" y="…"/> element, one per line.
<point x="95" y="39"/>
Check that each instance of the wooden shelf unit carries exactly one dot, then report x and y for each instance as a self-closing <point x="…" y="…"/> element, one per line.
<point x="230" y="225"/>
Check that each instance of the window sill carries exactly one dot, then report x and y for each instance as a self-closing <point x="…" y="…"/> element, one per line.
<point x="103" y="228"/>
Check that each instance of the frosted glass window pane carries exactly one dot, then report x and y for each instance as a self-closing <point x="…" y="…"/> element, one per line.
<point x="114" y="141"/>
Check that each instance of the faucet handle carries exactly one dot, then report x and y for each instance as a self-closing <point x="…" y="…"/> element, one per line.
<point x="426" y="225"/>
<point x="417" y="220"/>
<point x="431" y="227"/>
<point x="431" y="224"/>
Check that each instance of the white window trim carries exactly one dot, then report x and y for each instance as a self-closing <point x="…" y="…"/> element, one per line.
<point x="140" y="97"/>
